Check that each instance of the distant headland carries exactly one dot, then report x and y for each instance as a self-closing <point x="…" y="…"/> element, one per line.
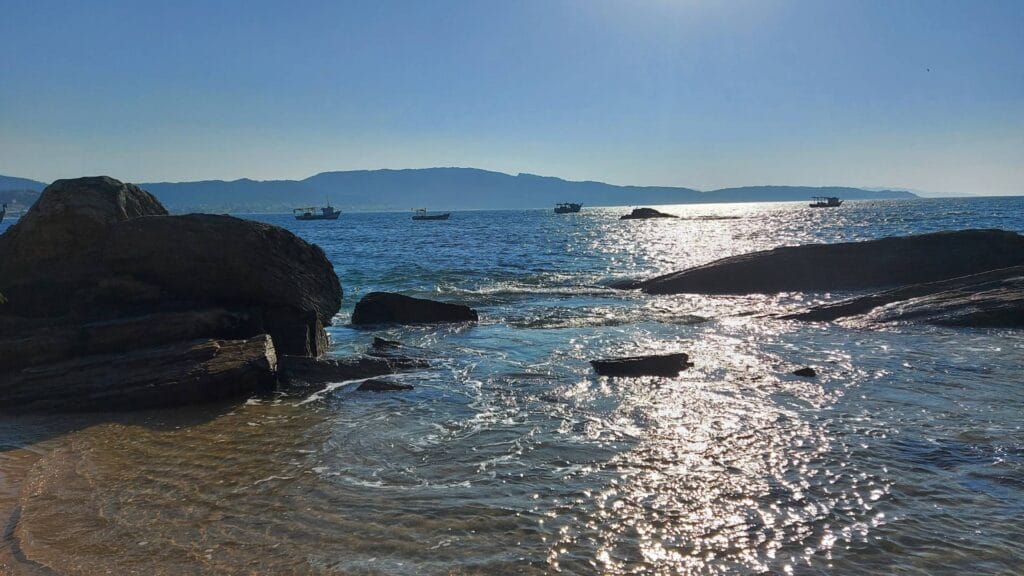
<point x="439" y="188"/>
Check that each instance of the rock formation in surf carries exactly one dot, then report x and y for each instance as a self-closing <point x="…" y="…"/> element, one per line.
<point x="389" y="308"/>
<point x="886" y="262"/>
<point x="993" y="299"/>
<point x="111" y="303"/>
<point x="645" y="213"/>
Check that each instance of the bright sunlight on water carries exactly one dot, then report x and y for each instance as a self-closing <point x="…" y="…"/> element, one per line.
<point x="906" y="454"/>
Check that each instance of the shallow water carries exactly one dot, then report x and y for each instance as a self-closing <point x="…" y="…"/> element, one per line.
<point x="905" y="456"/>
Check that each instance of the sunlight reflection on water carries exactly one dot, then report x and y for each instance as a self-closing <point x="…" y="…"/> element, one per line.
<point x="510" y="456"/>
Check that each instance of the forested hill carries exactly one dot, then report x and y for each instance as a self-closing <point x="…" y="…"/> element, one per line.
<point x="446" y="189"/>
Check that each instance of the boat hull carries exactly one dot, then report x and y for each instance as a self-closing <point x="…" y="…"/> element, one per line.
<point x="432" y="217"/>
<point x="318" y="216"/>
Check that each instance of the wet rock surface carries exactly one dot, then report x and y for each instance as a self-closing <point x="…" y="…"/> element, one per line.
<point x="390" y="308"/>
<point x="376" y="385"/>
<point x="297" y="370"/>
<point x="110" y="303"/>
<point x="879" y="263"/>
<point x="991" y="299"/>
<point x="656" y="365"/>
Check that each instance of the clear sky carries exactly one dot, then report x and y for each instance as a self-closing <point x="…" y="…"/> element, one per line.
<point x="925" y="95"/>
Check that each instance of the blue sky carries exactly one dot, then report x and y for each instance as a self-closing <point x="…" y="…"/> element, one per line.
<point x="922" y="95"/>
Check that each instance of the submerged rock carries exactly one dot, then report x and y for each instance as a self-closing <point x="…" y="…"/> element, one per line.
<point x="99" y="281"/>
<point x="644" y="213"/>
<point x="806" y="372"/>
<point x="390" y="308"/>
<point x="657" y="365"/>
<point x="991" y="299"/>
<point x="849" y="265"/>
<point x="302" y="370"/>
<point x="375" y="385"/>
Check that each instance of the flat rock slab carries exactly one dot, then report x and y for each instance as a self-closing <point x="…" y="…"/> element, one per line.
<point x="991" y="299"/>
<point x="173" y="375"/>
<point x="850" y="265"/>
<point x="659" y="365"/>
<point x="390" y="308"/>
<point x="644" y="213"/>
<point x="46" y="344"/>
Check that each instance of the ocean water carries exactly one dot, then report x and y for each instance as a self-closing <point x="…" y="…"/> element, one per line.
<point x="905" y="455"/>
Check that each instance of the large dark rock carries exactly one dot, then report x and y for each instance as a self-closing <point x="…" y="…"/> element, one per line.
<point x="101" y="283"/>
<point x="171" y="375"/>
<point x="849" y="265"/>
<point x="222" y="259"/>
<point x="55" y="250"/>
<point x="656" y="365"/>
<point x="990" y="299"/>
<point x="644" y="213"/>
<point x="388" y="308"/>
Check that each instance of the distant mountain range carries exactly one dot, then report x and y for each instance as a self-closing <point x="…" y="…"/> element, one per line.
<point x="437" y="189"/>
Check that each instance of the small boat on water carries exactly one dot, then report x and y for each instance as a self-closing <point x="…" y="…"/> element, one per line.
<point x="421" y="214"/>
<point x="826" y="202"/>
<point x="310" y="213"/>
<point x="567" y="208"/>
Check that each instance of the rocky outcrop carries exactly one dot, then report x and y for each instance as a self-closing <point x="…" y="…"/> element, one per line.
<point x="644" y="213"/>
<point x="172" y="375"/>
<point x="222" y="259"/>
<point x="389" y="308"/>
<point x="806" y="372"/>
<point x="849" y="266"/>
<point x="32" y="345"/>
<point x="188" y="308"/>
<point x="656" y="365"/>
<point x="990" y="299"/>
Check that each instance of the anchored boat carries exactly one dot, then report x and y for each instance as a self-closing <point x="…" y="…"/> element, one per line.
<point x="567" y="208"/>
<point x="421" y="214"/>
<point x="310" y="213"/>
<point x="826" y="202"/>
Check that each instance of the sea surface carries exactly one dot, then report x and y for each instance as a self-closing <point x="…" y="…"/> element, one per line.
<point x="905" y="455"/>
